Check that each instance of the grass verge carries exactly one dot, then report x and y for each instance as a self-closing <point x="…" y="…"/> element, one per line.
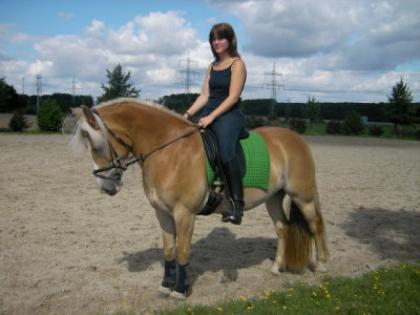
<point x="389" y="290"/>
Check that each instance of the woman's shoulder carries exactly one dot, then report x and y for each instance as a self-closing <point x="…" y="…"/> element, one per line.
<point x="238" y="63"/>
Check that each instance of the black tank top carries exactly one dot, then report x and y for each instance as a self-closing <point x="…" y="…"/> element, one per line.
<point x="219" y="84"/>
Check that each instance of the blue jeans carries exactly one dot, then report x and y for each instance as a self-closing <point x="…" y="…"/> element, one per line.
<point x="229" y="128"/>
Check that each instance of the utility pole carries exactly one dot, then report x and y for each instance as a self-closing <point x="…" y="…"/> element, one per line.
<point x="188" y="72"/>
<point x="73" y="91"/>
<point x="23" y="85"/>
<point x="38" y="90"/>
<point x="274" y="86"/>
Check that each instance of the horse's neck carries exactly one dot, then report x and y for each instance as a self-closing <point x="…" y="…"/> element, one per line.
<point x="148" y="127"/>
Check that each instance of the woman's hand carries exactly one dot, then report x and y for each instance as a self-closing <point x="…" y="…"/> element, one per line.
<point x="187" y="115"/>
<point x="205" y="121"/>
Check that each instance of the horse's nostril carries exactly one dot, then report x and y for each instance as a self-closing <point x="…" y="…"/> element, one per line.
<point x="110" y="192"/>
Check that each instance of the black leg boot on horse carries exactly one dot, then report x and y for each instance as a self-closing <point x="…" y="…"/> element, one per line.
<point x="234" y="192"/>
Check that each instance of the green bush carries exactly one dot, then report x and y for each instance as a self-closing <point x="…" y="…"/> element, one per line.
<point x="375" y="130"/>
<point x="418" y="134"/>
<point x="333" y="127"/>
<point x="49" y="116"/>
<point x="352" y="124"/>
<point x="252" y="122"/>
<point x="298" y="125"/>
<point x="18" y="122"/>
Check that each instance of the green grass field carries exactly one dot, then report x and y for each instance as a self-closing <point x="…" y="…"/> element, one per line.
<point x="387" y="291"/>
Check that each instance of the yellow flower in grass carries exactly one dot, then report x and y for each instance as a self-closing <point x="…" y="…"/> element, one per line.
<point x="284" y="307"/>
<point x="220" y="309"/>
<point x="250" y="307"/>
<point x="242" y="298"/>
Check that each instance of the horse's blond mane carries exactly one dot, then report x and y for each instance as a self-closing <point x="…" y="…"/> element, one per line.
<point x="78" y="141"/>
<point x="142" y="102"/>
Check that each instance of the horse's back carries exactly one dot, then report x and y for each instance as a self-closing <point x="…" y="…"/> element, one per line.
<point x="291" y="159"/>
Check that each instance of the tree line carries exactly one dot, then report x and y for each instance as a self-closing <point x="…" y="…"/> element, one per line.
<point x="11" y="101"/>
<point x="399" y="110"/>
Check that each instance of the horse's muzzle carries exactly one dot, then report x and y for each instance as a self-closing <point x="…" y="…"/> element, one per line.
<point x="112" y="183"/>
<point x="110" y="191"/>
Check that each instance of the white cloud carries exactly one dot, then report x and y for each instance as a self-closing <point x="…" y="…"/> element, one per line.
<point x="150" y="46"/>
<point x="41" y="66"/>
<point x="96" y="28"/>
<point x="333" y="50"/>
<point x="385" y="30"/>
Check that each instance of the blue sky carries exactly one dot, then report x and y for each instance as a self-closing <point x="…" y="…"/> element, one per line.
<point x="333" y="50"/>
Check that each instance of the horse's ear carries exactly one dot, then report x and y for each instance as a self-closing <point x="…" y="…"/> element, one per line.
<point x="76" y="112"/>
<point x="89" y="117"/>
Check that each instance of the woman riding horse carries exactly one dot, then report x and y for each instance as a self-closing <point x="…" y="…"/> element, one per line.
<point x="170" y="152"/>
<point x="220" y="96"/>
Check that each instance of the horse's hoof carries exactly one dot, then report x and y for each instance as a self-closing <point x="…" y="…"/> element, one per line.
<point x="320" y="267"/>
<point x="164" y="290"/>
<point x="275" y="269"/>
<point x="278" y="268"/>
<point x="177" y="295"/>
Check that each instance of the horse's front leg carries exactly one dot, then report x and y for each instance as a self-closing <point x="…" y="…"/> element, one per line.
<point x="184" y="221"/>
<point x="167" y="225"/>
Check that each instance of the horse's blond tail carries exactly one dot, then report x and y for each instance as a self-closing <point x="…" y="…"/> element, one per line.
<point x="321" y="225"/>
<point x="298" y="241"/>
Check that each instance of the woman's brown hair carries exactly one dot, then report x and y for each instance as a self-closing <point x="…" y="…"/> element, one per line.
<point x="224" y="30"/>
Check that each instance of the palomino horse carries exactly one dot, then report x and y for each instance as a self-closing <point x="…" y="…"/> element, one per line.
<point x="170" y="153"/>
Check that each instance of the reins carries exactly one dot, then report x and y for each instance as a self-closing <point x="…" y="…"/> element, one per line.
<point x="117" y="161"/>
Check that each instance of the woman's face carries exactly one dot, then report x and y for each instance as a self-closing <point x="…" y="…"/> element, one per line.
<point x="220" y="45"/>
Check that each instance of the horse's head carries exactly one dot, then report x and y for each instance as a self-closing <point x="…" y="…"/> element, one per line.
<point x="107" y="150"/>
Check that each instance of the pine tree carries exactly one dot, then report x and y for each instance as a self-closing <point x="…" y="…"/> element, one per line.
<point x="118" y="85"/>
<point x="400" y="110"/>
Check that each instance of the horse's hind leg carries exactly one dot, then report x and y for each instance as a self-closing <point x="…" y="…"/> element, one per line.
<point x="276" y="212"/>
<point x="312" y="213"/>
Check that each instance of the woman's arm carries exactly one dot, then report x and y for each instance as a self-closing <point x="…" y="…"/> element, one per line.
<point x="237" y="83"/>
<point x="202" y="99"/>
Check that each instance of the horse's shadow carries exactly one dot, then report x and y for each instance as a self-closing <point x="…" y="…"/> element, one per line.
<point x="392" y="234"/>
<point x="237" y="253"/>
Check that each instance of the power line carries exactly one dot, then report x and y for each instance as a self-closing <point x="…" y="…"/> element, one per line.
<point x="38" y="90"/>
<point x="188" y="71"/>
<point x="274" y="85"/>
<point x="73" y="90"/>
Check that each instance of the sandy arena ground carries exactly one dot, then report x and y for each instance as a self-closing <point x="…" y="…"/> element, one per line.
<point x="67" y="249"/>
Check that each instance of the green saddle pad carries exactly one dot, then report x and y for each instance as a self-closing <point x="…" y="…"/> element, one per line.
<point x="257" y="163"/>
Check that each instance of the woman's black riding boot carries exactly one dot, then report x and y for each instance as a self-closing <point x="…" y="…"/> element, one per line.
<point x="235" y="193"/>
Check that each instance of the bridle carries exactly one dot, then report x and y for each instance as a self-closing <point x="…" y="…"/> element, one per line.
<point x="119" y="163"/>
